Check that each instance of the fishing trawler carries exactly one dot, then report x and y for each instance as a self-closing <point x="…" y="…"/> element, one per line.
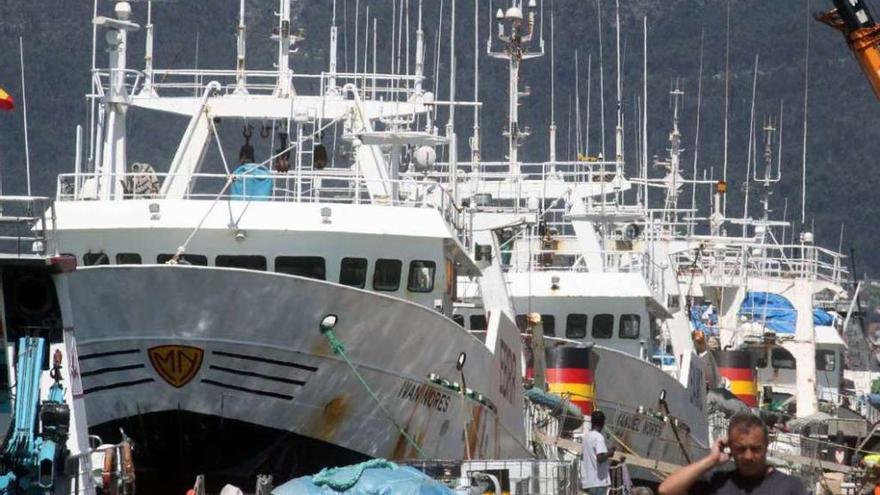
<point x="779" y="304"/>
<point x="765" y="311"/>
<point x="579" y="271"/>
<point x="279" y="315"/>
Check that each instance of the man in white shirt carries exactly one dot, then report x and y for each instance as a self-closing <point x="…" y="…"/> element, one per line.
<point x="594" y="465"/>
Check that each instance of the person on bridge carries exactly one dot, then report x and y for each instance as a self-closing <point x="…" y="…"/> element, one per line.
<point x="747" y="440"/>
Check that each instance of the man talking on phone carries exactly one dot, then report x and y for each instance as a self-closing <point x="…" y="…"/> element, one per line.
<point x="747" y="440"/>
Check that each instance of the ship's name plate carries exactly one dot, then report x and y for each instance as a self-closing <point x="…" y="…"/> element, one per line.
<point x="638" y="423"/>
<point x="424" y="395"/>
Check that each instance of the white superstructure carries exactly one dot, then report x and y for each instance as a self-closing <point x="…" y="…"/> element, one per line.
<point x="285" y="309"/>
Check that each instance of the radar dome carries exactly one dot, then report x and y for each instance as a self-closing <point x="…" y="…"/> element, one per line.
<point x="424" y="158"/>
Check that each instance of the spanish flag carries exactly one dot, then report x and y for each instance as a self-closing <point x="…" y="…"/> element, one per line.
<point x="6" y="101"/>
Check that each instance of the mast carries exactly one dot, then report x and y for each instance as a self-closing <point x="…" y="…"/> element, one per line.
<point x="673" y="181"/>
<point x="334" y="40"/>
<point x="770" y="177"/>
<point x="366" y="40"/>
<point x="577" y="105"/>
<point x="357" y="25"/>
<point x="589" y="95"/>
<point x="148" y="54"/>
<point x="601" y="79"/>
<point x="375" y="55"/>
<point x="645" y="108"/>
<point x="806" y="107"/>
<point x="240" y="76"/>
<point x="552" y="88"/>
<point x="285" y="41"/>
<point x="618" y="134"/>
<point x="115" y="102"/>
<point x="726" y="106"/>
<point x="751" y="145"/>
<point x="450" y="125"/>
<point x="516" y="42"/>
<point x="420" y="54"/>
<point x="27" y="150"/>
<point x="475" y="138"/>
<point x="697" y="138"/>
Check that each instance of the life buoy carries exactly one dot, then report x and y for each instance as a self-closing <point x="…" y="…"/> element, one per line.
<point x="127" y="466"/>
<point x="107" y="474"/>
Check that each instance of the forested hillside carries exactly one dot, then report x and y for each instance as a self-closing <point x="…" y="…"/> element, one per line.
<point x="842" y="140"/>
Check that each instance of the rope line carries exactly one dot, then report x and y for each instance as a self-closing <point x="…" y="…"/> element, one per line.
<point x="182" y="248"/>
<point x="338" y="348"/>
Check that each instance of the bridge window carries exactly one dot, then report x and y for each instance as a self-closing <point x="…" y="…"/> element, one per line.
<point x="128" y="259"/>
<point x="421" y="276"/>
<point x="353" y="272"/>
<point x="478" y="322"/>
<point x="782" y="359"/>
<point x="549" y="325"/>
<point x="245" y="261"/>
<point x="576" y="326"/>
<point x="629" y="327"/>
<point x="603" y="326"/>
<point x="92" y="259"/>
<point x="185" y="259"/>
<point x="826" y="360"/>
<point x="386" y="277"/>
<point x="458" y="319"/>
<point x="760" y="356"/>
<point x="303" y="266"/>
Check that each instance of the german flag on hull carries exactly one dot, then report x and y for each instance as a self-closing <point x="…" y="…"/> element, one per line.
<point x="737" y="368"/>
<point x="569" y="374"/>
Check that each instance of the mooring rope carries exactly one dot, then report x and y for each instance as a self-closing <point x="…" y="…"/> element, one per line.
<point x="338" y="348"/>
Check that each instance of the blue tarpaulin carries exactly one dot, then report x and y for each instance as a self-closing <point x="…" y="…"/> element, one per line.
<point x="252" y="183"/>
<point x="376" y="477"/>
<point x="773" y="311"/>
<point x="822" y="318"/>
<point x="705" y="319"/>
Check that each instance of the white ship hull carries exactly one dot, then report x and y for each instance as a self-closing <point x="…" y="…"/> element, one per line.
<point x="628" y="390"/>
<point x="245" y="346"/>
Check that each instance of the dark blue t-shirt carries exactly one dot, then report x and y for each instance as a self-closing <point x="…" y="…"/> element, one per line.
<point x="732" y="483"/>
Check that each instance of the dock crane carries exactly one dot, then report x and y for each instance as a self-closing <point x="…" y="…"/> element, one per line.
<point x="34" y="451"/>
<point x="862" y="33"/>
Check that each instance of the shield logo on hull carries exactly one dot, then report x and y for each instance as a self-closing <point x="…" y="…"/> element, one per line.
<point x="176" y="364"/>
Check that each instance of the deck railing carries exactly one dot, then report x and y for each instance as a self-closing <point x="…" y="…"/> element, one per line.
<point x="613" y="261"/>
<point x="335" y="186"/>
<point x="750" y="259"/>
<point x="27" y="226"/>
<point x="191" y="82"/>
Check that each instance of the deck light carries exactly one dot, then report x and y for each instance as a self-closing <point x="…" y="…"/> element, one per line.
<point x="328" y="323"/>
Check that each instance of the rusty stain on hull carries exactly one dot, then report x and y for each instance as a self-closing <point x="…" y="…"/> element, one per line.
<point x="334" y="412"/>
